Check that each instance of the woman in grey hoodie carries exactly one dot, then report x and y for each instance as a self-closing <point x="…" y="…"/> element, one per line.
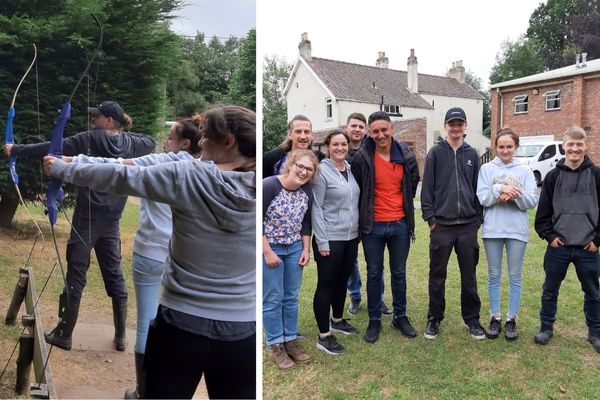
<point x="206" y="322"/>
<point x="335" y="240"/>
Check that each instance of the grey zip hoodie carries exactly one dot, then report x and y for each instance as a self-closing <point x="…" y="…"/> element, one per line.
<point x="335" y="209"/>
<point x="210" y="271"/>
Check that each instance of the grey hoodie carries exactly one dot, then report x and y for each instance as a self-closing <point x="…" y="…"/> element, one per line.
<point x="335" y="209"/>
<point x="210" y="271"/>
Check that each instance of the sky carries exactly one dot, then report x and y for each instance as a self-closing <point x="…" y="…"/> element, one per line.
<point x="221" y="18"/>
<point x="440" y="31"/>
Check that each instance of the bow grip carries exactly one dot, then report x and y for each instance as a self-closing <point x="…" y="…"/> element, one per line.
<point x="9" y="139"/>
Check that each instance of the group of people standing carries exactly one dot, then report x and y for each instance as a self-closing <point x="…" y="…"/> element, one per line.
<point x="364" y="190"/>
<point x="196" y="241"/>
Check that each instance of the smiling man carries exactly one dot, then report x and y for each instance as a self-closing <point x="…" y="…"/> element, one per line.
<point x="299" y="137"/>
<point x="450" y="206"/>
<point x="387" y="173"/>
<point x="567" y="218"/>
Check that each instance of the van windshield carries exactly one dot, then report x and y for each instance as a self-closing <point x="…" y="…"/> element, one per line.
<point x="528" y="150"/>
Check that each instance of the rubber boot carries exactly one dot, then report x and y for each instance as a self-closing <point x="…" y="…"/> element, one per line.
<point x="120" y="320"/>
<point x="140" y="377"/>
<point x="61" y="336"/>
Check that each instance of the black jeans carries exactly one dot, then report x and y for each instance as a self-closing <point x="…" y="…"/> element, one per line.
<point x="106" y="241"/>
<point x="587" y="267"/>
<point x="333" y="272"/>
<point x="176" y="360"/>
<point x="463" y="239"/>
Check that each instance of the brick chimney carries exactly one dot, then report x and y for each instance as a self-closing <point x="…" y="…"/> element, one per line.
<point x="382" y="61"/>
<point x="457" y="71"/>
<point x="412" y="72"/>
<point x="304" y="47"/>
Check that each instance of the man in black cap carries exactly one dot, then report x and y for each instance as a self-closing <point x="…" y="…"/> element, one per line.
<point x="450" y="206"/>
<point x="95" y="223"/>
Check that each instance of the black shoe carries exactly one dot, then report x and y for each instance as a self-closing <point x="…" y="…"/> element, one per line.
<point x="404" y="326"/>
<point x="476" y="330"/>
<point x="342" y="327"/>
<point x="432" y="329"/>
<point x="494" y="329"/>
<point x="354" y="306"/>
<point x="330" y="345"/>
<point x="510" y="329"/>
<point x="372" y="333"/>
<point x="544" y="335"/>
<point x="594" y="339"/>
<point x="385" y="310"/>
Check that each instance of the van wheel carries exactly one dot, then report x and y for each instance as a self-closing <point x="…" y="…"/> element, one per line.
<point x="538" y="178"/>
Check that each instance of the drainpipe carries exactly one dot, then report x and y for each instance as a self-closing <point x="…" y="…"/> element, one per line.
<point x="501" y="108"/>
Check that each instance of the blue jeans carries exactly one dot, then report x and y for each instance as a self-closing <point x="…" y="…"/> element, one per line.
<point x="280" y="294"/>
<point x="395" y="235"/>
<point x="146" y="281"/>
<point x="355" y="283"/>
<point x="515" y="251"/>
<point x="587" y="267"/>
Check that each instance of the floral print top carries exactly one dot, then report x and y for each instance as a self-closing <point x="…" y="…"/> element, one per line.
<point x="286" y="213"/>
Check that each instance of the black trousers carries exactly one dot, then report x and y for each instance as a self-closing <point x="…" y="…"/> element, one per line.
<point x="105" y="239"/>
<point x="176" y="360"/>
<point x="463" y="239"/>
<point x="333" y="272"/>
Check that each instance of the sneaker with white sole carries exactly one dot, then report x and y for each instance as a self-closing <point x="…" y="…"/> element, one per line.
<point x="330" y="345"/>
<point x="476" y="330"/>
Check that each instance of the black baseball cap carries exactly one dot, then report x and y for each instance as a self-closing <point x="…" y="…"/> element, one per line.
<point x="455" y="113"/>
<point x="109" y="109"/>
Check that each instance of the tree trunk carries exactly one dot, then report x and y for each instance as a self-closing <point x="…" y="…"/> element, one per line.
<point x="8" y="208"/>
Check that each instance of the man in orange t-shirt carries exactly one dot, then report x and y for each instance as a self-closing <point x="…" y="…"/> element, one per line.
<point x="387" y="173"/>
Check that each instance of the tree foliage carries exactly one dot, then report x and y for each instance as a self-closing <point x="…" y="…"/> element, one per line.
<point x="139" y="52"/>
<point x="242" y="88"/>
<point x="517" y="59"/>
<point x="275" y="75"/>
<point x="558" y="31"/>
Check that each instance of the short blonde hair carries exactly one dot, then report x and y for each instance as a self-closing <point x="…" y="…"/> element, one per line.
<point x="575" y="132"/>
<point x="295" y="155"/>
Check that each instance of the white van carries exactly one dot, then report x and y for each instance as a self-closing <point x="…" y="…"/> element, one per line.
<point x="540" y="154"/>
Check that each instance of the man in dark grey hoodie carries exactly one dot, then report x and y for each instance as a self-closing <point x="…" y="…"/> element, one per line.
<point x="568" y="219"/>
<point x="450" y="206"/>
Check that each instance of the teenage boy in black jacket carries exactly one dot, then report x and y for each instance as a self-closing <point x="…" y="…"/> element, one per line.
<point x="450" y="206"/>
<point x="568" y="219"/>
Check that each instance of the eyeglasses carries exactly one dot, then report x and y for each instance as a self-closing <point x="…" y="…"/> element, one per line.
<point x="301" y="168"/>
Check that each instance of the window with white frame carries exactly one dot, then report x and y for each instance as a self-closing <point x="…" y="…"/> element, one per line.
<point x="552" y="99"/>
<point x="392" y="110"/>
<point x="328" y="108"/>
<point x="520" y="103"/>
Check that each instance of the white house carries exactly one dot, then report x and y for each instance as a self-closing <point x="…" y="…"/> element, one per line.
<point x="327" y="91"/>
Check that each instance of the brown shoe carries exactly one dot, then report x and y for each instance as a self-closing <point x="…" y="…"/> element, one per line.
<point x="280" y="357"/>
<point x="297" y="355"/>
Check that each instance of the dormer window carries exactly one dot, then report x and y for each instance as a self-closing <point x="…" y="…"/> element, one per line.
<point x="552" y="100"/>
<point x="520" y="103"/>
<point x="392" y="110"/>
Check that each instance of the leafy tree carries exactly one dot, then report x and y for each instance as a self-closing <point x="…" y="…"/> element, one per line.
<point x="584" y="29"/>
<point x="138" y="54"/>
<point x="516" y="60"/>
<point x="275" y="75"/>
<point x="242" y="88"/>
<point x="477" y="84"/>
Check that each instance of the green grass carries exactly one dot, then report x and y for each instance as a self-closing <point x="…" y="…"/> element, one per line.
<point x="453" y="366"/>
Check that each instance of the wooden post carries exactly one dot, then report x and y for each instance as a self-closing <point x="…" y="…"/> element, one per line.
<point x="18" y="297"/>
<point x="24" y="363"/>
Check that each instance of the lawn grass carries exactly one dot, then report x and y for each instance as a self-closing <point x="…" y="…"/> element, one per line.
<point x="15" y="245"/>
<point x="453" y="366"/>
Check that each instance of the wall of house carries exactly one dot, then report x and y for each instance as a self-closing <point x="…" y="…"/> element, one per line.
<point x="305" y="96"/>
<point x="580" y="102"/>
